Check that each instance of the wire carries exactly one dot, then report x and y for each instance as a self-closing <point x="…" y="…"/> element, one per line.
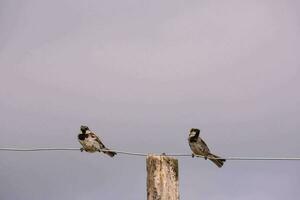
<point x="39" y="149"/>
<point x="253" y="158"/>
<point x="68" y="149"/>
<point x="147" y="154"/>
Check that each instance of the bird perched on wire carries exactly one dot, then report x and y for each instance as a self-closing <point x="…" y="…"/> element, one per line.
<point x="91" y="142"/>
<point x="199" y="147"/>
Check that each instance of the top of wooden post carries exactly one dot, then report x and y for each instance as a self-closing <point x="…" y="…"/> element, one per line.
<point x="162" y="178"/>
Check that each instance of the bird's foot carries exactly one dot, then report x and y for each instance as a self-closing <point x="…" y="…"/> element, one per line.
<point x="205" y="157"/>
<point x="81" y="149"/>
<point x="193" y="155"/>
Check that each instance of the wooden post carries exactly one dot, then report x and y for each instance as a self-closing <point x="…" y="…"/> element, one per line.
<point x="162" y="178"/>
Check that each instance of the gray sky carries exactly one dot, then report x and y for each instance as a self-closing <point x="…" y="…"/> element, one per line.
<point x="140" y="74"/>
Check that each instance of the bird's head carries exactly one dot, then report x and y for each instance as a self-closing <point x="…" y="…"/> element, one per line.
<point x="84" y="129"/>
<point x="194" y="133"/>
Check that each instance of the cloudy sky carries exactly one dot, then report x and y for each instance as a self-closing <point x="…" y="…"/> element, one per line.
<point x="140" y="74"/>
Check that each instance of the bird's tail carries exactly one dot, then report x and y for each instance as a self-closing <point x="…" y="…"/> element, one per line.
<point x="218" y="162"/>
<point x="110" y="153"/>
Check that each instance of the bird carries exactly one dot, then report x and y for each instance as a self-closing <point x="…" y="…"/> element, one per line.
<point x="91" y="143"/>
<point x="199" y="147"/>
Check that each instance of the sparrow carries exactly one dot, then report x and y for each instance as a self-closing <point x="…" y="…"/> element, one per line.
<point x="91" y="142"/>
<point x="199" y="147"/>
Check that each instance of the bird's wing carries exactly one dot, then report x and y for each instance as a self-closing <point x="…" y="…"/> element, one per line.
<point x="204" y="145"/>
<point x="93" y="135"/>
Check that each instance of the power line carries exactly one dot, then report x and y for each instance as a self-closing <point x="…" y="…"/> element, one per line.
<point x="146" y="154"/>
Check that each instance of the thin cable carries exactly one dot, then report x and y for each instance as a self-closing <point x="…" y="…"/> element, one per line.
<point x="126" y="152"/>
<point x="236" y="158"/>
<point x="68" y="149"/>
<point x="39" y="149"/>
<point x="146" y="154"/>
<point x="251" y="158"/>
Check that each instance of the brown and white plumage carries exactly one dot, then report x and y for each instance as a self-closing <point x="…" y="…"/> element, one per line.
<point x="91" y="142"/>
<point x="199" y="147"/>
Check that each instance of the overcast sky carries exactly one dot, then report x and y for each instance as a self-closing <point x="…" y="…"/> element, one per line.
<point x="141" y="74"/>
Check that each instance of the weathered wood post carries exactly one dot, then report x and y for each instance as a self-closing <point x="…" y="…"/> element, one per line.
<point x="162" y="178"/>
